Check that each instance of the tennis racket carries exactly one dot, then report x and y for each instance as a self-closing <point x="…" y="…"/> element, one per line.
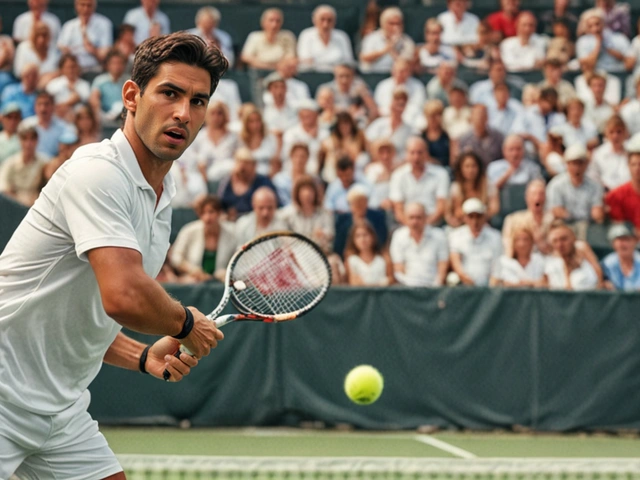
<point x="275" y="277"/>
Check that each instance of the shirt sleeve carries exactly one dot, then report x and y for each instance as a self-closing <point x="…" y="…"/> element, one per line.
<point x="442" y="190"/>
<point x="249" y="45"/>
<point x="396" y="250"/>
<point x="583" y="48"/>
<point x="304" y="52"/>
<point x="395" y="187"/>
<point x="96" y="207"/>
<point x="443" y="248"/>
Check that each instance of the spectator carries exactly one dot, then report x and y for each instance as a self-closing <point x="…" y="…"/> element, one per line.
<point x="568" y="268"/>
<point x="419" y="181"/>
<point x="279" y="115"/>
<point x="460" y="28"/>
<point x="40" y="50"/>
<point x="612" y="91"/>
<point x="400" y="78"/>
<point x="86" y="124"/>
<point x="623" y="202"/>
<point x="560" y="13"/>
<point x="456" y="118"/>
<point x="89" y="36"/>
<point x="470" y="181"/>
<point x="68" y="90"/>
<point x="378" y="173"/>
<point x="600" y="48"/>
<point x="49" y="126"/>
<point x="381" y="48"/>
<point x="327" y="104"/>
<point x="419" y="252"/>
<point x="9" y="141"/>
<point x="609" y="164"/>
<point x="322" y="46"/>
<point x="297" y="161"/>
<point x="504" y="112"/>
<point x="536" y="120"/>
<point x="125" y="43"/>
<point x="21" y="174"/>
<point x="67" y="144"/>
<point x="514" y="168"/>
<point x="365" y="262"/>
<point x="265" y="48"/>
<point x="106" y="90"/>
<point x="7" y="54"/>
<point x="535" y="219"/>
<point x="263" y="145"/>
<point x="552" y="153"/>
<point x="526" y="50"/>
<point x="297" y="90"/>
<point x="335" y="199"/>
<point x="480" y="55"/>
<point x="622" y="266"/>
<point x="24" y="23"/>
<point x="306" y="131"/>
<point x="444" y="80"/>
<point x="562" y="47"/>
<point x="482" y="90"/>
<point x="229" y="94"/>
<point x="504" y="23"/>
<point x="392" y="126"/>
<point x="262" y="219"/>
<point x="597" y="109"/>
<point x="238" y="188"/>
<point x="432" y="52"/>
<point x="553" y="79"/>
<point x="524" y="267"/>
<point x="148" y="19"/>
<point x="530" y="95"/>
<point x="190" y="185"/>
<point x="630" y="111"/>
<point x="204" y="247"/>
<point x="435" y="136"/>
<point x="617" y="16"/>
<point x="574" y="197"/>
<point x="348" y="89"/>
<point x="578" y="128"/>
<point x="305" y="214"/>
<point x="207" y="21"/>
<point x="475" y="247"/>
<point x="345" y="140"/>
<point x="23" y="93"/>
<point x="482" y="140"/>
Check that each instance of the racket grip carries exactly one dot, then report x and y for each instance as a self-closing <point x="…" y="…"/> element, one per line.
<point x="166" y="375"/>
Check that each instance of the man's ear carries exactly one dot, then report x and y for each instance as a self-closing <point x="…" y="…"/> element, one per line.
<point x="130" y="95"/>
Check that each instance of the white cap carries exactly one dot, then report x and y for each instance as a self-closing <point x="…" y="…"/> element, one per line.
<point x="618" y="230"/>
<point x="633" y="145"/>
<point x="576" y="151"/>
<point x="473" y="205"/>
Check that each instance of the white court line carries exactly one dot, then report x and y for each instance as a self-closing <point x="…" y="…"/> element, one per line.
<point x="444" y="446"/>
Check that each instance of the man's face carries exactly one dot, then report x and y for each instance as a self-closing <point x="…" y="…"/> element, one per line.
<point x="344" y="78"/>
<point x="272" y="22"/>
<point x="595" y="26"/>
<point x="616" y="134"/>
<point x="526" y="25"/>
<point x="562" y="240"/>
<point x="398" y="104"/>
<point x="393" y="25"/>
<point x="497" y="73"/>
<point x="278" y="91"/>
<point x="37" y="5"/>
<point x="513" y="151"/>
<point x="44" y="108"/>
<point x="634" y="166"/>
<point x="150" y="5"/>
<point x="597" y="87"/>
<point x="576" y="168"/>
<point x="265" y="208"/>
<point x="28" y="144"/>
<point x="479" y="118"/>
<point x="416" y="218"/>
<point x="324" y="21"/>
<point x="416" y="154"/>
<point x="170" y="112"/>
<point x="346" y="176"/>
<point x="475" y="222"/>
<point x="536" y="198"/>
<point x="116" y="66"/>
<point x="625" y="246"/>
<point x="553" y="73"/>
<point x="299" y="158"/>
<point x="30" y="79"/>
<point x="70" y="69"/>
<point x="458" y="7"/>
<point x="401" y="72"/>
<point x="85" y="8"/>
<point x="308" y="118"/>
<point x="10" y="122"/>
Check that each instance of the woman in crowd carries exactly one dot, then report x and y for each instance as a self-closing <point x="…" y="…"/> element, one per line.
<point x="68" y="89"/>
<point x="378" y="173"/>
<point x="524" y="268"/>
<point x="364" y="260"/>
<point x="254" y="135"/>
<point x="470" y="181"/>
<point x="204" y="247"/>
<point x="86" y="124"/>
<point x="456" y="118"/>
<point x="434" y="134"/>
<point x="39" y="50"/>
<point x="346" y="139"/>
<point x="480" y="55"/>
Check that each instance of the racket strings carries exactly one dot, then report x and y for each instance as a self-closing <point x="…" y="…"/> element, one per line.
<point x="282" y="275"/>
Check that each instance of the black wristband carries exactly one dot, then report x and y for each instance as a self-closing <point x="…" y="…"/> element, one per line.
<point x="188" y="325"/>
<point x="142" y="364"/>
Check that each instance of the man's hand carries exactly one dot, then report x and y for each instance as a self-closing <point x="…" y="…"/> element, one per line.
<point x="161" y="357"/>
<point x="203" y="337"/>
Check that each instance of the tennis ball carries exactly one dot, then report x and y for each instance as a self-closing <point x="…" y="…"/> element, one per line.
<point x="363" y="385"/>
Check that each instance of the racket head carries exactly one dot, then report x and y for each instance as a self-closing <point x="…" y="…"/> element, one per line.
<point x="278" y="276"/>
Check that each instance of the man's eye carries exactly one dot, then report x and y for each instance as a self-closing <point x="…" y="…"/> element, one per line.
<point x="199" y="102"/>
<point x="169" y="93"/>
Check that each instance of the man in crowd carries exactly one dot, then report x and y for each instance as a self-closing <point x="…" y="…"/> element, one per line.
<point x="48" y="125"/>
<point x="459" y="27"/>
<point x="401" y="77"/>
<point x="526" y="50"/>
<point x="621" y="268"/>
<point x="106" y="90"/>
<point x="23" y="93"/>
<point x="23" y="24"/>
<point x="9" y="142"/>
<point x="148" y="19"/>
<point x="382" y="47"/>
<point x="601" y="48"/>
<point x="514" y="168"/>
<point x="305" y="131"/>
<point x="483" y="140"/>
<point x="262" y="219"/>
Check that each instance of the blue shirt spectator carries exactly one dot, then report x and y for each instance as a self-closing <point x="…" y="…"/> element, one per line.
<point x="335" y="198"/>
<point x="106" y="90"/>
<point x="622" y="267"/>
<point x="593" y="49"/>
<point x="23" y="93"/>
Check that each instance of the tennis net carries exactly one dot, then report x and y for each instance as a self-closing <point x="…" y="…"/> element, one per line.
<point x="167" y="467"/>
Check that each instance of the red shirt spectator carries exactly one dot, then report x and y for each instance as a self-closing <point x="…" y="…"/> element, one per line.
<point x="624" y="201"/>
<point x="503" y="23"/>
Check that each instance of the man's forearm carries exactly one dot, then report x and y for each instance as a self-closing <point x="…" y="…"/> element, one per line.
<point x="124" y="352"/>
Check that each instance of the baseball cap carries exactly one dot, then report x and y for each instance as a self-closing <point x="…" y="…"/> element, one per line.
<point x="633" y="145"/>
<point x="10" y="107"/>
<point x="473" y="205"/>
<point x="575" y="152"/>
<point x="271" y="78"/>
<point x="618" y="230"/>
<point x="25" y="127"/>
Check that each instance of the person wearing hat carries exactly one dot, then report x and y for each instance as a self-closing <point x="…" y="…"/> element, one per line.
<point x="279" y="115"/>
<point x="475" y="247"/>
<point x="623" y="202"/>
<point x="443" y="81"/>
<point x="21" y="174"/>
<point x="9" y="142"/>
<point x="307" y="131"/>
<point x="67" y="144"/>
<point x="622" y="266"/>
<point x="572" y="196"/>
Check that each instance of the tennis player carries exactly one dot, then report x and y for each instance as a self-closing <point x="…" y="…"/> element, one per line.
<point x="82" y="265"/>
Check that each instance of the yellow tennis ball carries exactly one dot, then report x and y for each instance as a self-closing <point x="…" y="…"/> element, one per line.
<point x="363" y="385"/>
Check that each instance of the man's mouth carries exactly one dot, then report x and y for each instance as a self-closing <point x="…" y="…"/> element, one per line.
<point x="175" y="136"/>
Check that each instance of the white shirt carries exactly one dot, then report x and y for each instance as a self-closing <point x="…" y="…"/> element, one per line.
<point x="54" y="331"/>
<point x="432" y="186"/>
<point x="375" y="42"/>
<point x="420" y="260"/>
<point x="464" y="32"/>
<point x="612" y="90"/>
<point x="247" y="230"/>
<point x="526" y="171"/>
<point x="630" y="113"/>
<point x="228" y="93"/>
<point x="381" y="128"/>
<point x="60" y="89"/>
<point x="216" y="158"/>
<point x="608" y="168"/>
<point x="188" y="181"/>
<point x="572" y="135"/>
<point x="598" y="114"/>
<point x="383" y="96"/>
<point x="297" y="134"/>
<point x="323" y="56"/>
<point x="279" y="119"/>
<point x="518" y="57"/>
<point x="510" y="270"/>
<point x="99" y="32"/>
<point x="297" y="90"/>
<point x="264" y="153"/>
<point x="479" y="254"/>
<point x="582" y="278"/>
<point x="586" y="44"/>
<point x="374" y="273"/>
<point x="189" y="245"/>
<point x="25" y="55"/>
<point x="138" y="18"/>
<point x="23" y="24"/>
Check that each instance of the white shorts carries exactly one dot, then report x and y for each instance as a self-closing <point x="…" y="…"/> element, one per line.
<point x="64" y="446"/>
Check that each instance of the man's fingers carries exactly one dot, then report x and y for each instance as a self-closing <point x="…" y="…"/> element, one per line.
<point x="218" y="334"/>
<point x="188" y="359"/>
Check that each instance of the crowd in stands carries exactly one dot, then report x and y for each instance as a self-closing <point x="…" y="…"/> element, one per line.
<point x="402" y="183"/>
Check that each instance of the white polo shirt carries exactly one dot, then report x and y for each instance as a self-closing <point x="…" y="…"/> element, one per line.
<point x="54" y="331"/>
<point x="421" y="259"/>
<point x="464" y="32"/>
<point x="383" y="96"/>
<point x="432" y="185"/>
<point x="609" y="168"/>
<point x="23" y="24"/>
<point x="99" y="32"/>
<point x="323" y="56"/>
<point x="509" y="270"/>
<point x="582" y="278"/>
<point x="138" y="17"/>
<point x="518" y="57"/>
<point x="480" y="254"/>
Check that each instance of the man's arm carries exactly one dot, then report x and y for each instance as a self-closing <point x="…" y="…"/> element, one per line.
<point x="456" y="266"/>
<point x="436" y="216"/>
